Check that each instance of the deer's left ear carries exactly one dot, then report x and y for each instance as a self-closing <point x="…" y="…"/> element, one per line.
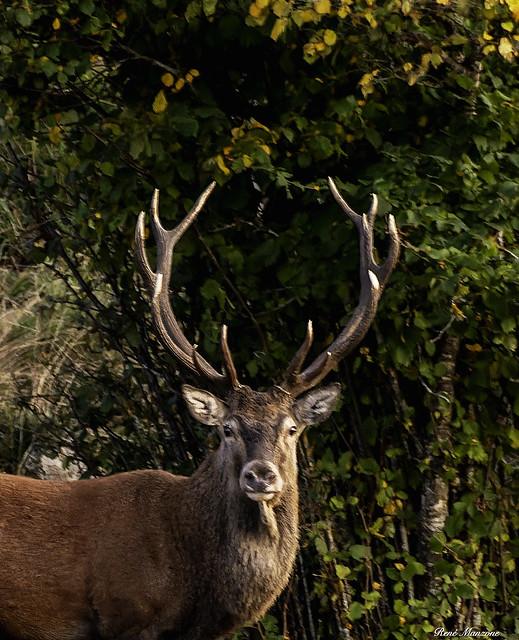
<point x="317" y="405"/>
<point x="203" y="406"/>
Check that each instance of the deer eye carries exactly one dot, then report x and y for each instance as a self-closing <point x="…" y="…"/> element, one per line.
<point x="227" y="431"/>
<point x="292" y="430"/>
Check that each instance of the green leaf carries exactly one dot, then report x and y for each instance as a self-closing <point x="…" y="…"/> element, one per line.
<point x="209" y="7"/>
<point x="356" y="611"/>
<point x="359" y="551"/>
<point x="508" y="324"/>
<point x="23" y="17"/>
<point x="342" y="571"/>
<point x="413" y="568"/>
<point x="373" y="137"/>
<point x="186" y="126"/>
<point x="87" y="7"/>
<point x="107" y="168"/>
<point x="368" y="466"/>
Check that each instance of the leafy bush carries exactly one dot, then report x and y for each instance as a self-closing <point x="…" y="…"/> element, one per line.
<point x="409" y="520"/>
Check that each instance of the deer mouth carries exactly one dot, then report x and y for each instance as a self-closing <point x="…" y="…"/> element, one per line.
<point x="260" y="496"/>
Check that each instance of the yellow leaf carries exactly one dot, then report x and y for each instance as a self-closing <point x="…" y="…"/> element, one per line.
<point x="167" y="80"/>
<point x="160" y="103"/>
<point x="475" y="348"/>
<point x="221" y="165"/>
<point x="489" y="48"/>
<point x="399" y="566"/>
<point x="436" y="60"/>
<point x="281" y="8"/>
<point x="330" y="37"/>
<point x="506" y="49"/>
<point x="508" y="26"/>
<point x="322" y="6"/>
<point x="444" y="2"/>
<point x="513" y="5"/>
<point x="457" y="311"/>
<point x="55" y="135"/>
<point x="256" y="124"/>
<point x="487" y="36"/>
<point x="265" y="148"/>
<point x="309" y="47"/>
<point x="371" y="19"/>
<point x="194" y="72"/>
<point x="262" y="4"/>
<point x="179" y="84"/>
<point x="390" y="509"/>
<point x="422" y="121"/>
<point x="121" y="16"/>
<point x="366" y="82"/>
<point x="56" y="24"/>
<point x="255" y="10"/>
<point x="406" y="7"/>
<point x="425" y="60"/>
<point x="412" y="79"/>
<point x="306" y="15"/>
<point x="189" y="78"/>
<point x="278" y="28"/>
<point x="247" y="161"/>
<point x="407" y="66"/>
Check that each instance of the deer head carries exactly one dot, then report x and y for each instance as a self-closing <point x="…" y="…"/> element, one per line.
<point x="259" y="430"/>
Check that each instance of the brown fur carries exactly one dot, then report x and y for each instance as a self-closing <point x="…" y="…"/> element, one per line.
<point x="148" y="555"/>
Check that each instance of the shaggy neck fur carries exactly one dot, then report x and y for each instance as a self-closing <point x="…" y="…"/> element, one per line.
<point x="251" y="548"/>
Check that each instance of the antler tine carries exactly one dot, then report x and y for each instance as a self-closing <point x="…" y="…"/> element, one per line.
<point x="373" y="278"/>
<point x="227" y="358"/>
<point x="294" y="368"/>
<point x="157" y="282"/>
<point x="140" y="254"/>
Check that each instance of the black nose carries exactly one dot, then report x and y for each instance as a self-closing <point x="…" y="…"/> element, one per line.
<point x="260" y="477"/>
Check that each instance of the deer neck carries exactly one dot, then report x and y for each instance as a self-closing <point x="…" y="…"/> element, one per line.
<point x="226" y="510"/>
<point x="250" y="547"/>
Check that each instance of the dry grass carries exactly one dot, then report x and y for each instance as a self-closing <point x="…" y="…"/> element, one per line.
<point x="39" y="339"/>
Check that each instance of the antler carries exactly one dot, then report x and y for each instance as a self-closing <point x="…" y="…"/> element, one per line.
<point x="166" y="324"/>
<point x="373" y="278"/>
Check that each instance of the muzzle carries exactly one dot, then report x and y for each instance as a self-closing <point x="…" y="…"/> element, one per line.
<point x="260" y="481"/>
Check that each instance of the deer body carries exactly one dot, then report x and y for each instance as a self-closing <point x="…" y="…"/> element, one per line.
<point x="200" y="562"/>
<point x="147" y="555"/>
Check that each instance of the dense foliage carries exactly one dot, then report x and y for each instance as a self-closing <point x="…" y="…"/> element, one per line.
<point x="408" y="504"/>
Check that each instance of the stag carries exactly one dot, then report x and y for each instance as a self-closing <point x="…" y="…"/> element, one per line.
<point x="147" y="555"/>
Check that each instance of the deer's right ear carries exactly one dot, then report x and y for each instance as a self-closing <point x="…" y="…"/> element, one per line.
<point x="203" y="406"/>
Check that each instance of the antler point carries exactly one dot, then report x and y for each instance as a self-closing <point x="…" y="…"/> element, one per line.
<point x="158" y="285"/>
<point x="155" y="205"/>
<point x="374" y="280"/>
